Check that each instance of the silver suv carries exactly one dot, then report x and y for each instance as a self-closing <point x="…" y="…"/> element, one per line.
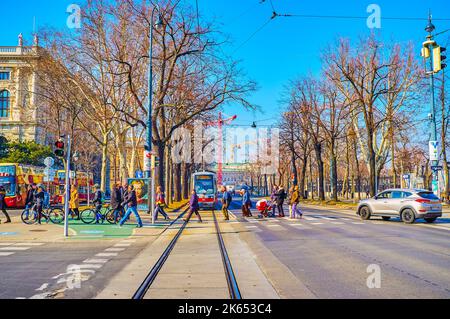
<point x="408" y="204"/>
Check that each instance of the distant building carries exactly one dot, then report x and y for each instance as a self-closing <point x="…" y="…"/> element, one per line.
<point x="19" y="105"/>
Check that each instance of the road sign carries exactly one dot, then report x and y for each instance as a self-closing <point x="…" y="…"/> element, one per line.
<point x="72" y="175"/>
<point x="49" y="162"/>
<point x="406" y="176"/>
<point x="139" y="174"/>
<point x="434" y="152"/>
<point x="436" y="168"/>
<point x="49" y="174"/>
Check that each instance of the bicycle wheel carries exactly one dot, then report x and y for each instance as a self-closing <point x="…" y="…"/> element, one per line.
<point x="56" y="215"/>
<point x="110" y="216"/>
<point x="30" y="219"/>
<point x="87" y="216"/>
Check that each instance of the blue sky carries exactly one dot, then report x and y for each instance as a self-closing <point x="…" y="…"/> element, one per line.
<point x="284" y="49"/>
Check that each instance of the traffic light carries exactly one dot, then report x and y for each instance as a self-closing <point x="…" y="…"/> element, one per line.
<point x="438" y="57"/>
<point x="59" y="148"/>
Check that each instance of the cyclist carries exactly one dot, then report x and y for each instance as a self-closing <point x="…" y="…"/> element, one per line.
<point x="98" y="201"/>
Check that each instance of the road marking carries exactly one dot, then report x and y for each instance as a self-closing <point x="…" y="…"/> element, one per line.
<point x="273" y="221"/>
<point x="337" y="223"/>
<point x="309" y="218"/>
<point x="43" y="287"/>
<point x="250" y="227"/>
<point x="128" y="241"/>
<point x="326" y="218"/>
<point x="15" y="248"/>
<point x="358" y="223"/>
<point x="106" y="255"/>
<point x="96" y="261"/>
<point x="316" y="223"/>
<point x="6" y="244"/>
<point x="29" y="244"/>
<point x="95" y="266"/>
<point x="296" y="225"/>
<point x="122" y="245"/>
<point x="2" y="254"/>
<point x="114" y="249"/>
<point x="273" y="225"/>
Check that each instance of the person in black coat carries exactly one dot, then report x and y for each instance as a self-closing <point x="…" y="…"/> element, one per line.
<point x="130" y="202"/>
<point x="39" y="195"/>
<point x="3" y="204"/>
<point x="116" y="201"/>
<point x="280" y="197"/>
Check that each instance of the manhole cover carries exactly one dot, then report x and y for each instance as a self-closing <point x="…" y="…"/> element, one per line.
<point x="38" y="230"/>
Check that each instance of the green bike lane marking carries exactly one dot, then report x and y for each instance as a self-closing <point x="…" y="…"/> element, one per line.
<point x="106" y="230"/>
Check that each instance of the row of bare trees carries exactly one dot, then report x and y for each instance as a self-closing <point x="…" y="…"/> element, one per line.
<point x="95" y="81"/>
<point x="362" y="118"/>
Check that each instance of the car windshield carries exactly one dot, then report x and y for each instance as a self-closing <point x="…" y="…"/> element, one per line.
<point x="8" y="179"/>
<point x="428" y="195"/>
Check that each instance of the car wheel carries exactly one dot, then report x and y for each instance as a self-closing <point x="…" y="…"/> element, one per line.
<point x="386" y="218"/>
<point x="364" y="212"/>
<point x="430" y="220"/>
<point x="408" y="216"/>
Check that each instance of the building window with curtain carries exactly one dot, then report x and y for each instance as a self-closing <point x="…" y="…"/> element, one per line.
<point x="4" y="104"/>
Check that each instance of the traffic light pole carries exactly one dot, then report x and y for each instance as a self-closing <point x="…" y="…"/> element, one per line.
<point x="67" y="196"/>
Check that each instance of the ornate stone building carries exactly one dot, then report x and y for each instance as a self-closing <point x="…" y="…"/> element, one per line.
<point x="19" y="103"/>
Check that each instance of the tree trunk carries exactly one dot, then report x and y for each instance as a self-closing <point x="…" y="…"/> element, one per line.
<point x="358" y="172"/>
<point x="185" y="183"/>
<point x="104" y="164"/>
<point x="320" y="169"/>
<point x="303" y="176"/>
<point x="333" y="171"/>
<point x="177" y="182"/>
<point x="161" y="168"/>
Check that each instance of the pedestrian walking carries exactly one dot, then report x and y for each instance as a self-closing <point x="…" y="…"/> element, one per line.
<point x="98" y="202"/>
<point x="194" y="207"/>
<point x="116" y="201"/>
<point x="226" y="202"/>
<point x="40" y="197"/>
<point x="3" y="204"/>
<point x="74" y="202"/>
<point x="160" y="203"/>
<point x="273" y="200"/>
<point x="130" y="201"/>
<point x="246" y="202"/>
<point x="29" y="201"/>
<point x="280" y="197"/>
<point x="295" y="201"/>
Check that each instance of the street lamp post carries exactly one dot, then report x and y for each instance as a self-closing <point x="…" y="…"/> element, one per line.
<point x="150" y="171"/>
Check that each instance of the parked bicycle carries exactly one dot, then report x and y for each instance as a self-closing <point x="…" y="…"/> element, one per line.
<point x="53" y="214"/>
<point x="89" y="216"/>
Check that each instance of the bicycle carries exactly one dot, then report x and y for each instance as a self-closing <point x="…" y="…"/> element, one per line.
<point x="53" y="214"/>
<point x="89" y="215"/>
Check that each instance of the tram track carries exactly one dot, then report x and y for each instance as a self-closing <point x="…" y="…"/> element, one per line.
<point x="233" y="288"/>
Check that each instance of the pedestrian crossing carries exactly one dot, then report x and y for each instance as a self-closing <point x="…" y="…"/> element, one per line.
<point x="10" y="248"/>
<point x="307" y="221"/>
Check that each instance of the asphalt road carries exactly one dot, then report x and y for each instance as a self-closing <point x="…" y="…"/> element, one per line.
<point x="330" y="253"/>
<point x="61" y="270"/>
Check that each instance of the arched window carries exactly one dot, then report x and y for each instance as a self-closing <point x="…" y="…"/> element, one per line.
<point x="4" y="103"/>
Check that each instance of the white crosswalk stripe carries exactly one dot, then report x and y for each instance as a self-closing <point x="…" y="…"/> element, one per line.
<point x="15" y="248"/>
<point x="6" y="254"/>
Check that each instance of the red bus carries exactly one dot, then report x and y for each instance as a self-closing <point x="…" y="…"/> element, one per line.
<point x="15" y="178"/>
<point x="84" y="186"/>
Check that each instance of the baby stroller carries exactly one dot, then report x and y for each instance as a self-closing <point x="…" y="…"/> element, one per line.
<point x="265" y="208"/>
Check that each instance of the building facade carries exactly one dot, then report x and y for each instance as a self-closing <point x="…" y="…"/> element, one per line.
<point x="19" y="103"/>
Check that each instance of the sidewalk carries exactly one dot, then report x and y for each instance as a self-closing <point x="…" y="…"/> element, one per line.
<point x="18" y="231"/>
<point x="194" y="269"/>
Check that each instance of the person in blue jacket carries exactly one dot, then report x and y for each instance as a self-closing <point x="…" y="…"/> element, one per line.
<point x="246" y="202"/>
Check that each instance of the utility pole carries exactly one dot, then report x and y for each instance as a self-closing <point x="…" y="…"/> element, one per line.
<point x="67" y="197"/>
<point x="432" y="51"/>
